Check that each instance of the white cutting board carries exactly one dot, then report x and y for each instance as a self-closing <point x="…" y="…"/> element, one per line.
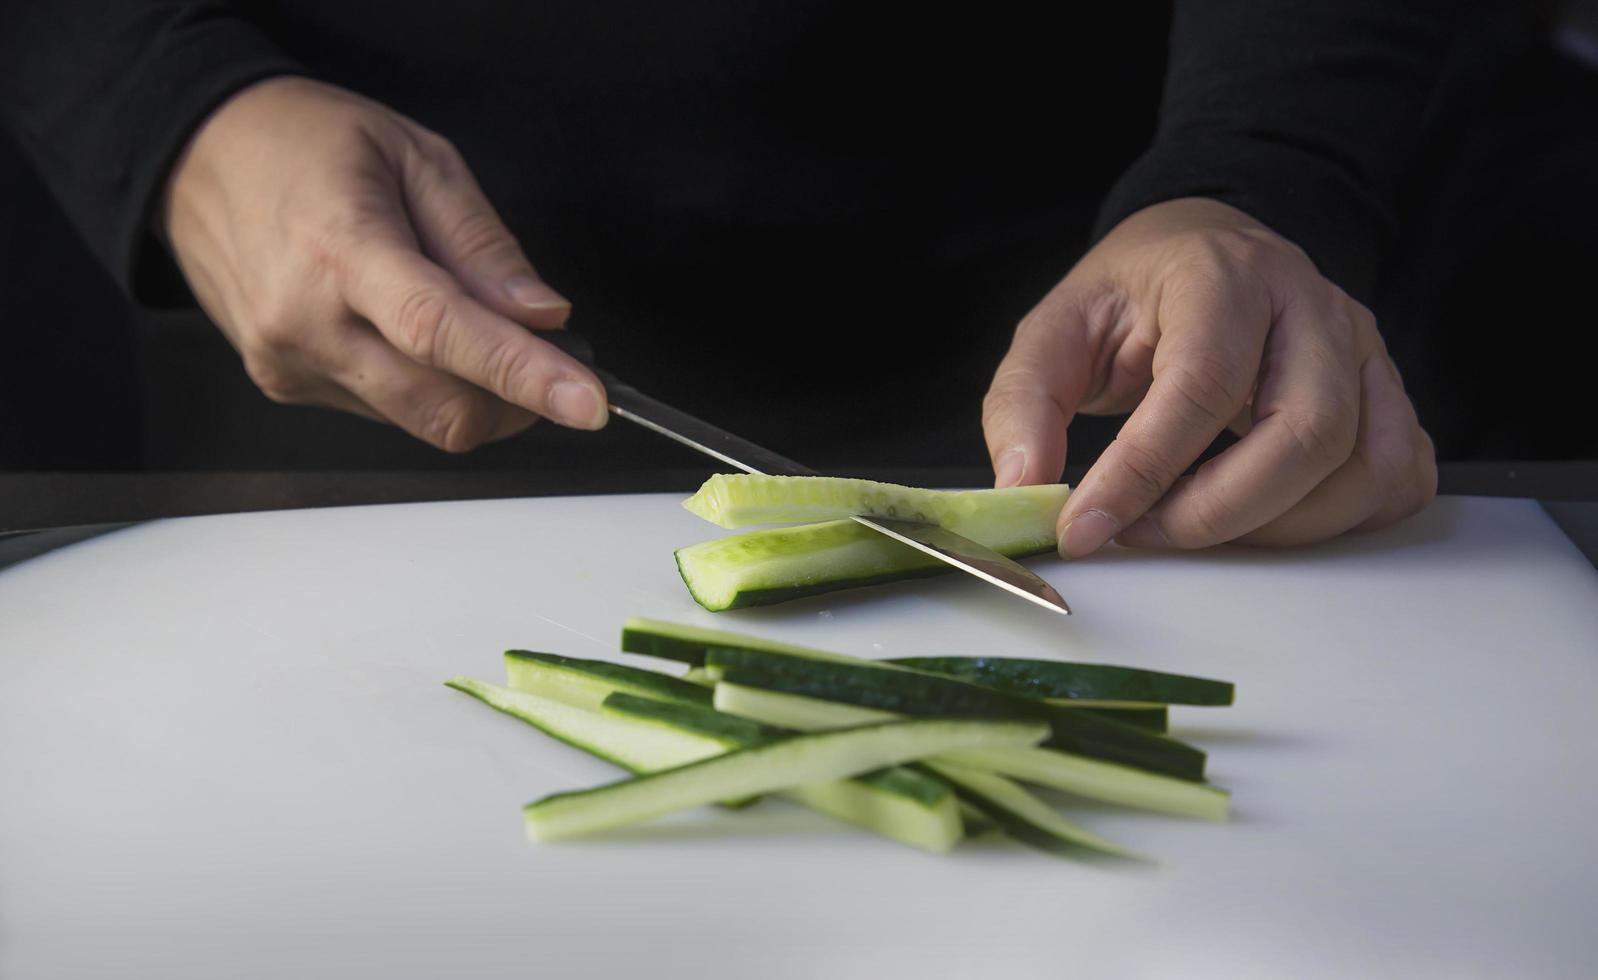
<point x="225" y="752"/>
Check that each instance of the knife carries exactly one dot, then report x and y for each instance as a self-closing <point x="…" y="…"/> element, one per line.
<point x="948" y="547"/>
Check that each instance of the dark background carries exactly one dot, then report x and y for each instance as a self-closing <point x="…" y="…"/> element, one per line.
<point x="1487" y="308"/>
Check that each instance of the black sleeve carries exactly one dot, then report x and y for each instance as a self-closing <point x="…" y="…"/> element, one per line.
<point x="1300" y="113"/>
<point x="102" y="97"/>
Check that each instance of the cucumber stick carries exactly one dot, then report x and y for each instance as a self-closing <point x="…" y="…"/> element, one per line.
<point x="900" y="803"/>
<point x="692" y="645"/>
<point x="759" y="568"/>
<point x="762" y="567"/>
<point x="795" y="761"/>
<point x="1042" y="766"/>
<point x="689" y="644"/>
<point x="623" y="742"/>
<point x="643" y="735"/>
<point x="1024" y="816"/>
<point x="1014" y="810"/>
<point x="1103" y="684"/>
<point x="586" y="683"/>
<point x="744" y="500"/>
<point x="914" y="693"/>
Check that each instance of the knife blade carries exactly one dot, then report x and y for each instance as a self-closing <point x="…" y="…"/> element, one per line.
<point x="953" y="549"/>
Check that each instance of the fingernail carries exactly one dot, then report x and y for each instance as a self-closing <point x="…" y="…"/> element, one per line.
<point x="1087" y="533"/>
<point x="1009" y="469"/>
<point x="1144" y="533"/>
<point x="534" y="294"/>
<point x="578" y="405"/>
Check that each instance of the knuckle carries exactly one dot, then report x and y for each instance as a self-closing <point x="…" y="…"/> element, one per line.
<point x="479" y="235"/>
<point x="507" y="365"/>
<point x="267" y="372"/>
<point x="1324" y="438"/>
<point x="453" y="425"/>
<point x="1421" y="488"/>
<point x="1148" y="474"/>
<point x="422" y="321"/>
<point x="1212" y="384"/>
<point x="1203" y="524"/>
<point x="276" y="332"/>
<point x="1358" y="313"/>
<point x="437" y="148"/>
<point x="332" y="241"/>
<point x="1001" y="401"/>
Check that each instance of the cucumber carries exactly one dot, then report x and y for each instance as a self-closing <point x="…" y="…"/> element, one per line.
<point x="743" y="500"/>
<point x="763" y="567"/>
<point x="796" y="711"/>
<point x="913" y="693"/>
<point x="634" y="747"/>
<point x="697" y="675"/>
<point x="1090" y="778"/>
<point x="759" y="568"/>
<point x="688" y="644"/>
<point x="1023" y="816"/>
<point x="1105" y="781"/>
<point x="795" y="761"/>
<point x="692" y="644"/>
<point x="1149" y="717"/>
<point x="908" y="806"/>
<point x="732" y="730"/>
<point x="1104" y="684"/>
<point x="586" y="683"/>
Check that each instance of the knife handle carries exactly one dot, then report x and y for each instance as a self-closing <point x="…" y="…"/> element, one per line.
<point x="576" y="346"/>
<point x="635" y="406"/>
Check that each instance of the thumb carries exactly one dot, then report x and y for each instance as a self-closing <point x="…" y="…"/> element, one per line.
<point x="462" y="232"/>
<point x="1035" y="393"/>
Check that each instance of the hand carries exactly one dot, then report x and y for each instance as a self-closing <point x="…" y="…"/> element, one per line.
<point x="1196" y="318"/>
<point x="351" y="259"/>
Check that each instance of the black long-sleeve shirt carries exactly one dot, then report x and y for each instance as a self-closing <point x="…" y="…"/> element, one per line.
<point x="792" y="175"/>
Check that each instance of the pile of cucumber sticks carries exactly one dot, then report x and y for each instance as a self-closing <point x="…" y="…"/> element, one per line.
<point x="922" y="750"/>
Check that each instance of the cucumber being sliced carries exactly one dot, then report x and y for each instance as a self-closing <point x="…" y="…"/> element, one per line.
<point x="743" y="500"/>
<point x="758" y="568"/>
<point x="1090" y="778"/>
<point x="908" y="806"/>
<point x="1100" y="683"/>
<point x="761" y="567"/>
<point x="1024" y="816"/>
<point x="914" y="693"/>
<point x="586" y="683"/>
<point x="796" y="761"/>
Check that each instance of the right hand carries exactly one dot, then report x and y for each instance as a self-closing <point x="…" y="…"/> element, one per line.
<point x="351" y="259"/>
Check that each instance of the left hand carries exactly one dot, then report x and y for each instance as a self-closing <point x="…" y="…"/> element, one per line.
<point x="1196" y="318"/>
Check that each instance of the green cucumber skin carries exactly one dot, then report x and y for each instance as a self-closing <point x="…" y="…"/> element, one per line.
<point x="1015" y="825"/>
<point x="484" y="692"/>
<point x="773" y="766"/>
<point x="747" y="598"/>
<point x="633" y="680"/>
<point x="688" y="644"/>
<point x="701" y="720"/>
<point x="1081" y="776"/>
<point x="918" y="694"/>
<point x="1157" y="720"/>
<point x="1094" y="682"/>
<point x="747" y="733"/>
<point x="670" y="641"/>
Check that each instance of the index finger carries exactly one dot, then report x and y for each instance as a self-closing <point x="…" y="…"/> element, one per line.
<point x="1212" y="337"/>
<point x="422" y="310"/>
